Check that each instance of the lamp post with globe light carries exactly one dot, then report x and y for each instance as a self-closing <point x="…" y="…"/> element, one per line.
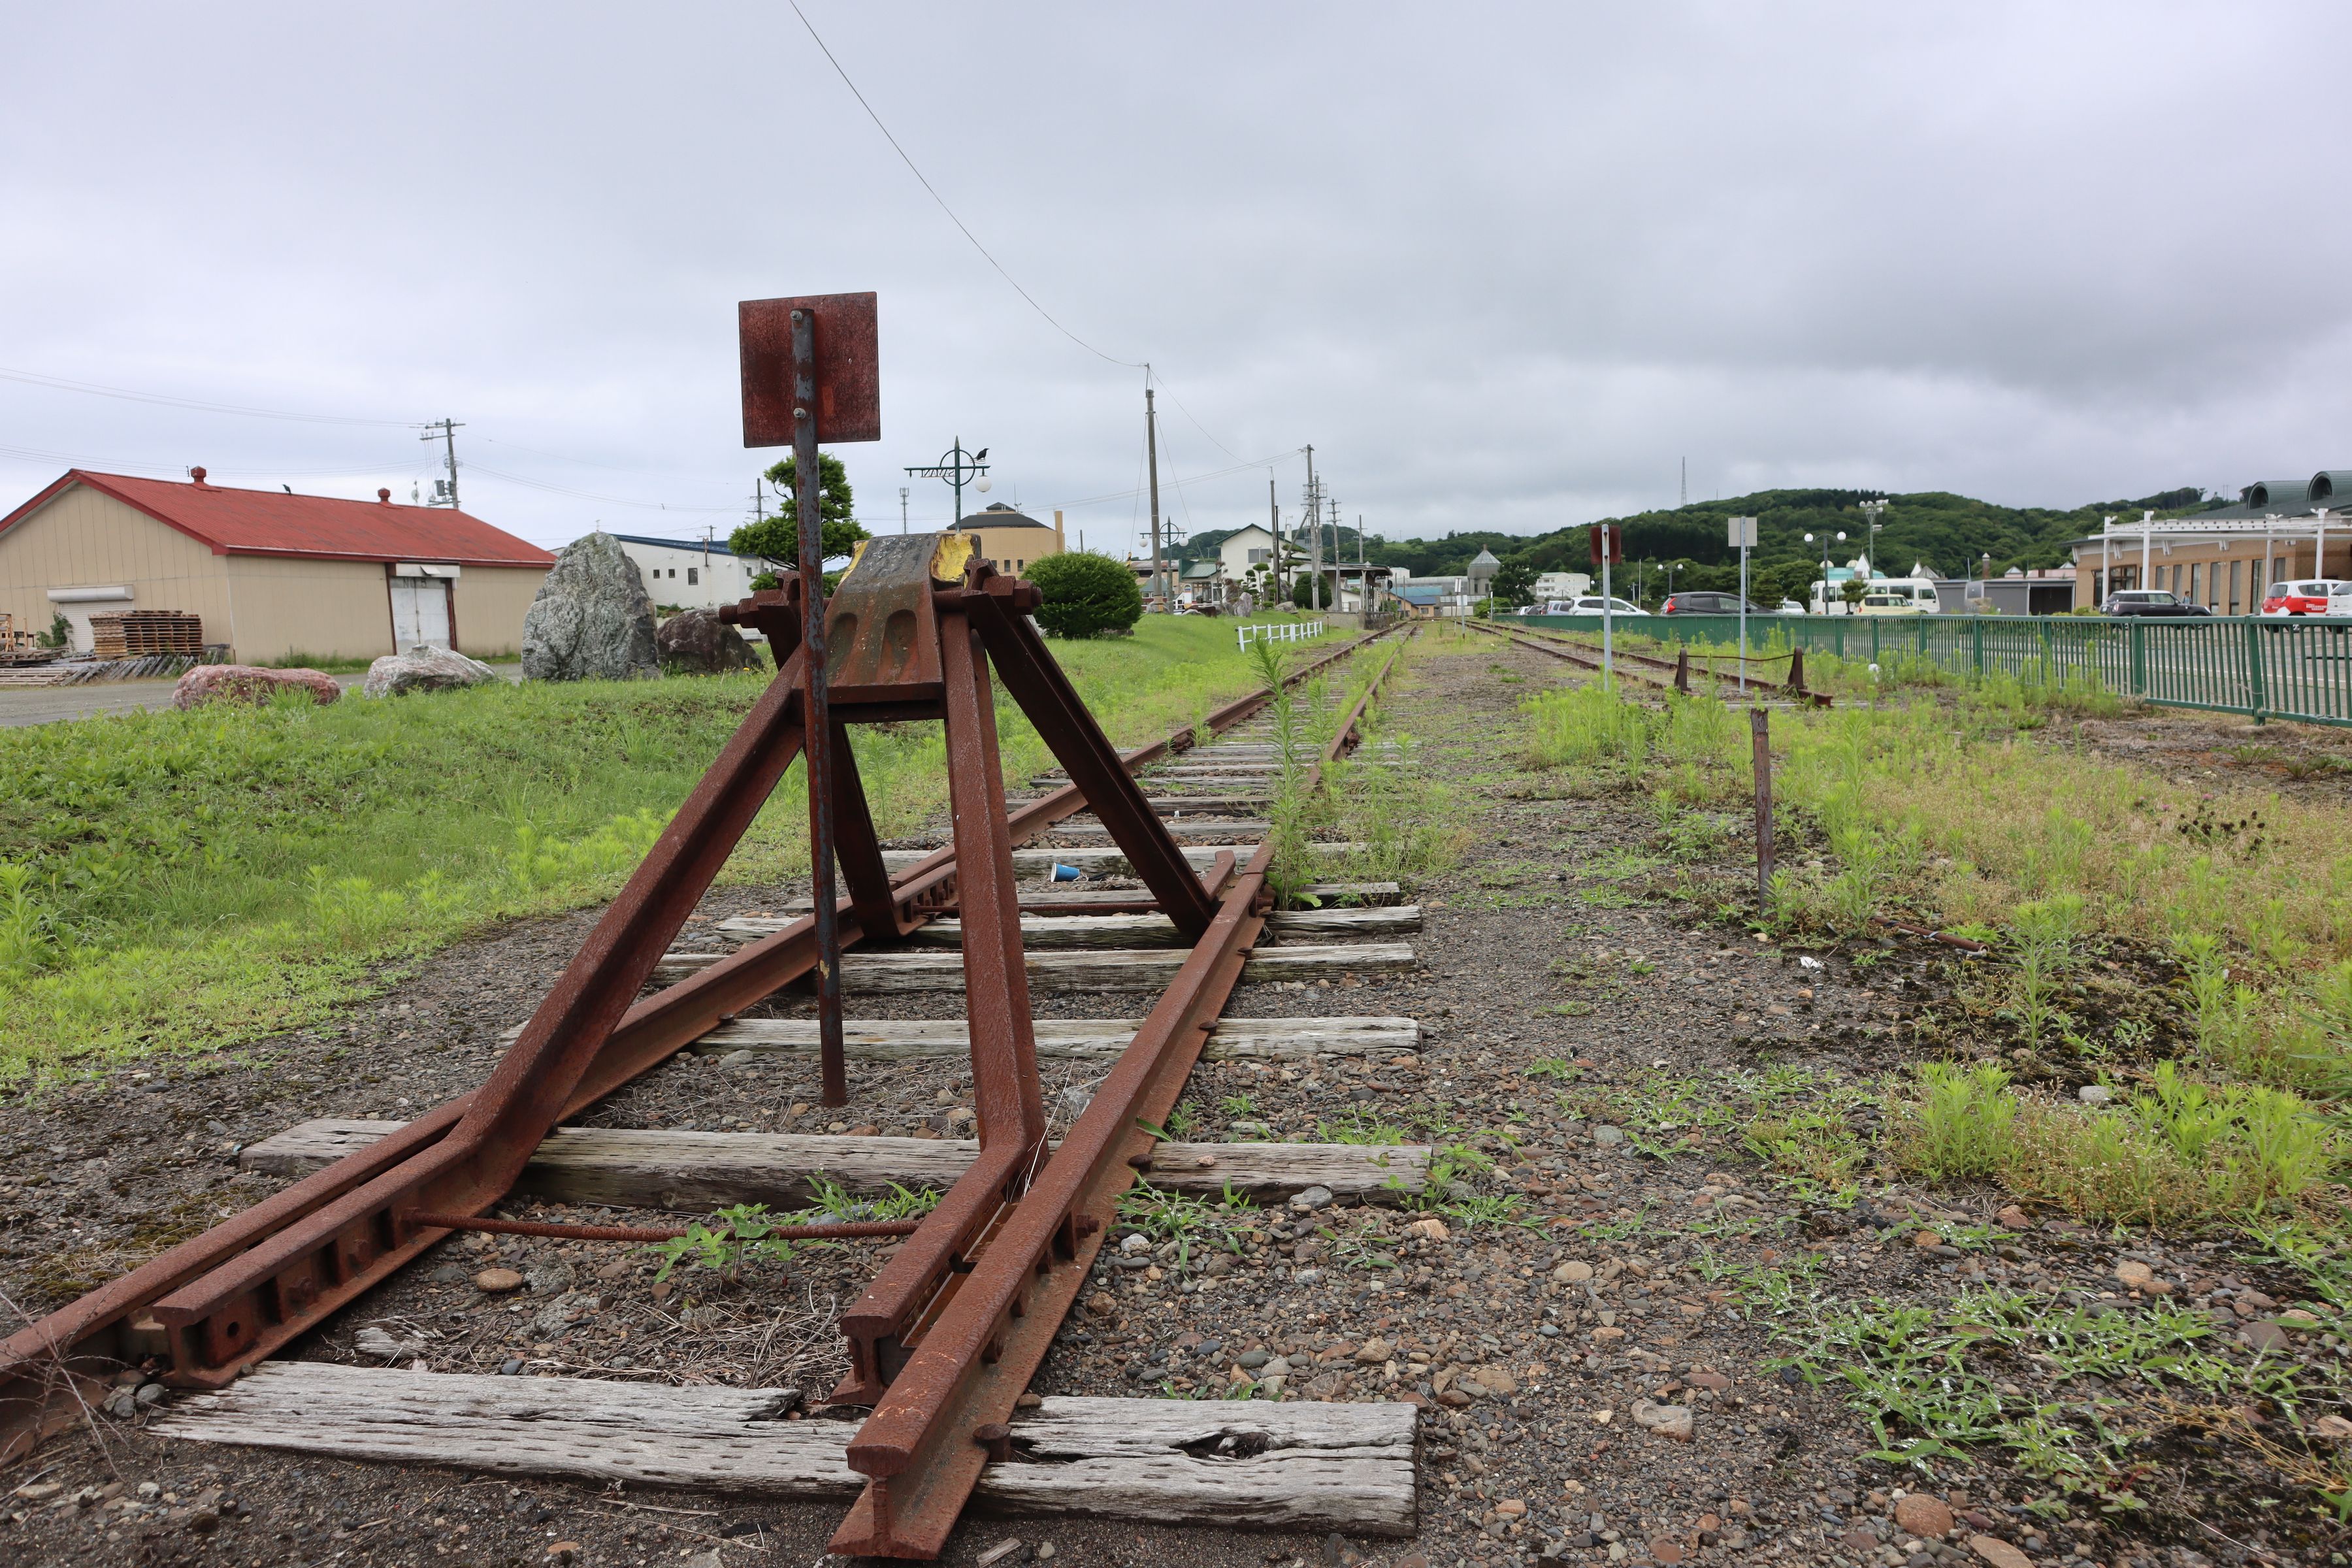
<point x="955" y="466"/>
<point x="1825" y="565"/>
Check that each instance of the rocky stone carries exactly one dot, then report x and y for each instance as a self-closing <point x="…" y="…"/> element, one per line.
<point x="1926" y="1238"/>
<point x="1102" y="1303"/>
<point x="1608" y="1135"/>
<point x="250" y="683"/>
<point x="1373" y="1352"/>
<point x="699" y="643"/>
<point x="1572" y="1272"/>
<point x="1312" y="1199"/>
<point x="377" y="1341"/>
<point x="1998" y="1553"/>
<point x="497" y="1282"/>
<point x="551" y="1274"/>
<point x="1666" y="1420"/>
<point x="1428" y="1229"/>
<point x="2094" y="1094"/>
<point x="2133" y="1273"/>
<point x="150" y="1395"/>
<point x="2264" y="1335"/>
<point x="1923" y="1516"/>
<point x="1014" y="1550"/>
<point x="423" y="668"/>
<point x="1498" y="1380"/>
<point x="591" y="620"/>
<point x="2013" y="1218"/>
<point x="1666" y="1549"/>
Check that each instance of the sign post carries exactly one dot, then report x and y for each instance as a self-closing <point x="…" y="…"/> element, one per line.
<point x="811" y="374"/>
<point x="1608" y="549"/>
<point x="1743" y="536"/>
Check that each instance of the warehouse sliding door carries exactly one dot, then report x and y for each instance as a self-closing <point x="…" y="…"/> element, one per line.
<point x="420" y="613"/>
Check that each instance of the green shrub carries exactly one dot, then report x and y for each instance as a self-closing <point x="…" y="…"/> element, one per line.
<point x="1086" y="594"/>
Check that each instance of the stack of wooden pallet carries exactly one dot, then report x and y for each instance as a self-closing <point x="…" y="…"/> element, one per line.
<point x="135" y="633"/>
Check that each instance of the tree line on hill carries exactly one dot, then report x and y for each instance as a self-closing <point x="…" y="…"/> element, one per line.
<point x="1953" y="535"/>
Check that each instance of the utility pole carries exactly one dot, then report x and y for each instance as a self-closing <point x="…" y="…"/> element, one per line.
<point x="1152" y="448"/>
<point x="1339" y="556"/>
<point x="1274" y="510"/>
<point x="902" y="509"/>
<point x="445" y="491"/>
<point x="1686" y="492"/>
<point x="1313" y="520"/>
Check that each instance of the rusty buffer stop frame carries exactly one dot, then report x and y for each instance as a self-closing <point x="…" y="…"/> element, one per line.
<point x="948" y="1335"/>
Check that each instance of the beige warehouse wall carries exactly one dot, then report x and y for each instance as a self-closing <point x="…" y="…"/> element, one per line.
<point x="490" y="602"/>
<point x="82" y="539"/>
<point x="331" y="609"/>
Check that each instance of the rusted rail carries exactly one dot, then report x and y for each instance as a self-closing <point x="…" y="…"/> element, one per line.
<point x="1670" y="673"/>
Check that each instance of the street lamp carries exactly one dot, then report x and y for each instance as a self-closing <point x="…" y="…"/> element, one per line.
<point x="1825" y="565"/>
<point x="955" y="466"/>
<point x="1871" y="510"/>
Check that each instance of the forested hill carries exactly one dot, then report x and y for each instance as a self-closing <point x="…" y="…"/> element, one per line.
<point x="1950" y="534"/>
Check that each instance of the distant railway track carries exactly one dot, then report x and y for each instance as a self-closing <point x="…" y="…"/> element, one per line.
<point x="1669" y="674"/>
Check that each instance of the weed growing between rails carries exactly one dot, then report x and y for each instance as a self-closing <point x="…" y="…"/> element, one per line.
<point x="1386" y="796"/>
<point x="184" y="880"/>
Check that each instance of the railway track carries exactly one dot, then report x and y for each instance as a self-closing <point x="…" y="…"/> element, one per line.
<point x="1667" y="674"/>
<point x="951" y="1328"/>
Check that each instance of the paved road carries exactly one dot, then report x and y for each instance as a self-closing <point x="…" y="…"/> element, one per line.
<point x="47" y="704"/>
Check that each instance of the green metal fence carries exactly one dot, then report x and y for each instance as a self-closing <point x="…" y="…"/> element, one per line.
<point x="2264" y="666"/>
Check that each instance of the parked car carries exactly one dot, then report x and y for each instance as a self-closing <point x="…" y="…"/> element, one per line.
<point x="1702" y="603"/>
<point x="1790" y="607"/>
<point x="1591" y="604"/>
<point x="1899" y="597"/>
<point x="2149" y="602"/>
<point x="2312" y="596"/>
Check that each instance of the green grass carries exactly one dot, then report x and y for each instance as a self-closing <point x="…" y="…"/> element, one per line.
<point x="186" y="880"/>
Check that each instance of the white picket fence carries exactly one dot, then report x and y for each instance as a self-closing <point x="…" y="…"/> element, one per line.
<point x="1280" y="631"/>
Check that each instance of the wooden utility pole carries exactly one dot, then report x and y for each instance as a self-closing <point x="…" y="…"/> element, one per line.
<point x="1151" y="447"/>
<point x="1273" y="510"/>
<point x="1313" y="509"/>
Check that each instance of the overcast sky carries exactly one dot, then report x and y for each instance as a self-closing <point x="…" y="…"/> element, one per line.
<point x="1505" y="267"/>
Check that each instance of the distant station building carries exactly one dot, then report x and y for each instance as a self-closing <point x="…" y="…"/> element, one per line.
<point x="692" y="574"/>
<point x="270" y="572"/>
<point x="1011" y="541"/>
<point x="2226" y="557"/>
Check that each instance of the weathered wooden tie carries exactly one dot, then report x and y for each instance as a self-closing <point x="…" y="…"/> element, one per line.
<point x="690" y="1172"/>
<point x="1256" y="1465"/>
<point x="1126" y="968"/>
<point x="1128" y="930"/>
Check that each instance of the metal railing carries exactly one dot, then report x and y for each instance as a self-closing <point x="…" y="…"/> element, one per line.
<point x="2265" y="667"/>
<point x="1278" y="631"/>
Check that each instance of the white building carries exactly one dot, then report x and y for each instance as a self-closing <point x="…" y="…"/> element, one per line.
<point x="689" y="574"/>
<point x="1550" y="586"/>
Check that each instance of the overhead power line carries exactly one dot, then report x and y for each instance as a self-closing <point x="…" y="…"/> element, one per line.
<point x="166" y="400"/>
<point x="1190" y="479"/>
<point x="961" y="225"/>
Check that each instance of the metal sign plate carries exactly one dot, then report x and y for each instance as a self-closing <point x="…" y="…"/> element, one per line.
<point x="1742" y="531"/>
<point x="849" y="368"/>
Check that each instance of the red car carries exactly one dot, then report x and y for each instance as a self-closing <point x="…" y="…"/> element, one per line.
<point x="2305" y="598"/>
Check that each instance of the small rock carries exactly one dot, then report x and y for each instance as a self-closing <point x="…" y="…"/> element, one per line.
<point x="250" y="683"/>
<point x="1498" y="1381"/>
<point x="1572" y="1272"/>
<point x="1102" y="1303"/>
<point x="511" y="1367"/>
<point x="551" y="1274"/>
<point x="1044" y="1552"/>
<point x="38" y="1491"/>
<point x="423" y="668"/>
<point x="1428" y="1229"/>
<point x="1312" y="1199"/>
<point x="1926" y="1238"/>
<point x="739" y="1058"/>
<point x="376" y="1339"/>
<point x="1998" y="1553"/>
<point x="2264" y="1335"/>
<point x="1135" y="1244"/>
<point x="1511" y="1508"/>
<point x="1011" y="1550"/>
<point x="1666" y="1549"/>
<point x="1925" y="1516"/>
<point x="497" y="1282"/>
<point x="1373" y="1352"/>
<point x="1666" y="1420"/>
<point x="2013" y="1218"/>
<point x="2332" y="1428"/>
<point x="2094" y="1094"/>
<point x="150" y="1395"/>
<point x="1608" y="1135"/>
<point x="563" y="1551"/>
<point x="2133" y="1273"/>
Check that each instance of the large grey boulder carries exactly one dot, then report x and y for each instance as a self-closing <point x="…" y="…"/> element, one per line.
<point x="592" y="620"/>
<point x="423" y="668"/>
<point x="698" y="640"/>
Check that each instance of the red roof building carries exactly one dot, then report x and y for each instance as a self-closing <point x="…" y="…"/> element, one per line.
<point x="272" y="573"/>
